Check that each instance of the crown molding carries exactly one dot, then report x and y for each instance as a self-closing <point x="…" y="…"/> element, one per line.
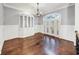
<point x="12" y="7"/>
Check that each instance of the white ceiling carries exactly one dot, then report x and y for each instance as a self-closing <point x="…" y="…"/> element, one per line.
<point x="31" y="7"/>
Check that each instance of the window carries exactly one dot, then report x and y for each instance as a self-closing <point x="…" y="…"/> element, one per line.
<point x="51" y="23"/>
<point x="26" y="21"/>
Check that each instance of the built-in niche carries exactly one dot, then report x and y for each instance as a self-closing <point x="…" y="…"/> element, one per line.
<point x="52" y="23"/>
<point x="26" y="25"/>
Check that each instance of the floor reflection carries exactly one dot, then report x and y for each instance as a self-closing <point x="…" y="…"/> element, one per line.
<point x="49" y="45"/>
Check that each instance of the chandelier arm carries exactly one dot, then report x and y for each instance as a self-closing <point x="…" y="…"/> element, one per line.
<point x="38" y="10"/>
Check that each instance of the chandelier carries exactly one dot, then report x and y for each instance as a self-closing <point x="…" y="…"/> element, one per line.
<point x="38" y="10"/>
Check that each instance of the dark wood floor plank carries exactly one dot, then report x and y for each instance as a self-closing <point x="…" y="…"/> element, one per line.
<point x="33" y="45"/>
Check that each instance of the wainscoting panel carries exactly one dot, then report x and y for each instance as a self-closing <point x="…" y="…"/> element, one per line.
<point x="1" y="37"/>
<point x="67" y="32"/>
<point x="10" y="31"/>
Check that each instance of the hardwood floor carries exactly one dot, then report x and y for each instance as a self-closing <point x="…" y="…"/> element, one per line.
<point x="33" y="45"/>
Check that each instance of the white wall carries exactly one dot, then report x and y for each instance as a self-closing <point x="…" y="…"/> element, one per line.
<point x="77" y="17"/>
<point x="11" y="21"/>
<point x="68" y="24"/>
<point x="1" y="27"/>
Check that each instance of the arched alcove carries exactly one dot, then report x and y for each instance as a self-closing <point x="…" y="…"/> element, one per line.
<point x="52" y="23"/>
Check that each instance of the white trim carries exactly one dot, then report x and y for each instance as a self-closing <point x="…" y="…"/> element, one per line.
<point x="66" y="6"/>
<point x="9" y="6"/>
<point x="21" y="11"/>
